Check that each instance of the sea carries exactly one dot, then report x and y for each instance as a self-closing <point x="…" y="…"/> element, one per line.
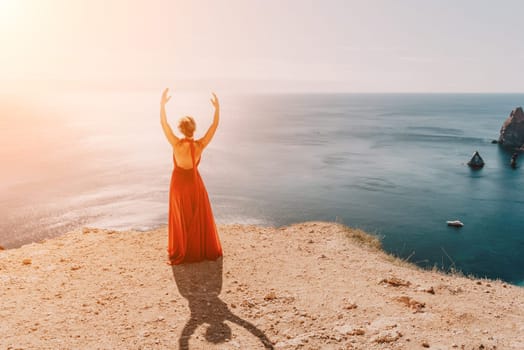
<point x="393" y="165"/>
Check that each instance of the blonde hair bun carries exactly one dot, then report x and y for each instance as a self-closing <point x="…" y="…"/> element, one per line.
<point x="187" y="126"/>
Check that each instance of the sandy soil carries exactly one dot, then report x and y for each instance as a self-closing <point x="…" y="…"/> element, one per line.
<point x="307" y="286"/>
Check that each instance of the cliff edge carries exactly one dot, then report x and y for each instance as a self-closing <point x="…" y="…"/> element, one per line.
<point x="312" y="285"/>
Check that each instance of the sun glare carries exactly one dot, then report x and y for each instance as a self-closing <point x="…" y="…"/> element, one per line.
<point x="9" y="11"/>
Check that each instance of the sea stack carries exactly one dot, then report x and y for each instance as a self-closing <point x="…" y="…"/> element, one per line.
<point x="512" y="131"/>
<point x="476" y="161"/>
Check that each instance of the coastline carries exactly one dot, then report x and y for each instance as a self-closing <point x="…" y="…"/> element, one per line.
<point x="309" y="285"/>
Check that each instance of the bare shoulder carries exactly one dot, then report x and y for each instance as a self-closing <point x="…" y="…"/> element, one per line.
<point x="200" y="145"/>
<point x="179" y="145"/>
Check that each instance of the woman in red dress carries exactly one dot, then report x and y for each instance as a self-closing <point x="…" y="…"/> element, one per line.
<point x="192" y="231"/>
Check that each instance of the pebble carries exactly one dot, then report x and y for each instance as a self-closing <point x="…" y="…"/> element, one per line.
<point x="350" y="306"/>
<point x="345" y="329"/>
<point x="270" y="296"/>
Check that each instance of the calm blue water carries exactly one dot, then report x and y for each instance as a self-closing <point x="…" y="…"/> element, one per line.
<point x="391" y="164"/>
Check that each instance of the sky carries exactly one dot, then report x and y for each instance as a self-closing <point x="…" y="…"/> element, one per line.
<point x="257" y="45"/>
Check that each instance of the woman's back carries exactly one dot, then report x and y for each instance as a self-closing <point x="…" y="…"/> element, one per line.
<point x="182" y="152"/>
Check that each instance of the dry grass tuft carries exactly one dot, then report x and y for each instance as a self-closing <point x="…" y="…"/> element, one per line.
<point x="363" y="238"/>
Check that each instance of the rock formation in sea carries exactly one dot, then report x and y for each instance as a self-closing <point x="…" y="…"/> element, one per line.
<point x="512" y="131"/>
<point x="476" y="161"/>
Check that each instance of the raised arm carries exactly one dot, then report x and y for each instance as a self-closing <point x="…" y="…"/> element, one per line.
<point x="171" y="137"/>
<point x="204" y="141"/>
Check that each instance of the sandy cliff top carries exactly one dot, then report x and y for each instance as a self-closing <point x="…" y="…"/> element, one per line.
<point x="307" y="286"/>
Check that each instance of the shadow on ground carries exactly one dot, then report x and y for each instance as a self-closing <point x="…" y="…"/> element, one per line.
<point x="201" y="284"/>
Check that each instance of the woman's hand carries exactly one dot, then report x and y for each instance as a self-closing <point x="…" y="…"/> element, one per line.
<point x="165" y="98"/>
<point x="204" y="141"/>
<point x="214" y="102"/>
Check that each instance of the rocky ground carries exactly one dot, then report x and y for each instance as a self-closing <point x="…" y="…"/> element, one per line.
<point x="307" y="286"/>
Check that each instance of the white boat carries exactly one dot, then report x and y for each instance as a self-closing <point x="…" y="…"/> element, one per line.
<point x="455" y="223"/>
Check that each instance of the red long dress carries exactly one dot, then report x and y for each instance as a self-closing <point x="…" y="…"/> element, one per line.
<point x="192" y="231"/>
